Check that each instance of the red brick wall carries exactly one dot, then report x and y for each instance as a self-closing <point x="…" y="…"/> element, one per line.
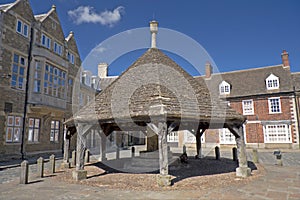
<point x="254" y="131"/>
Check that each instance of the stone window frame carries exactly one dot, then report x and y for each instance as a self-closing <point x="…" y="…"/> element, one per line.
<point x="54" y="131"/>
<point x="71" y="57"/>
<point x="57" y="48"/>
<point x="46" y="41"/>
<point x="18" y="70"/>
<point x="22" y="28"/>
<point x="54" y="81"/>
<point x="13" y="129"/>
<point x="224" y="88"/>
<point x="37" y="83"/>
<point x="272" y="82"/>
<point x="274" y="107"/>
<point x="34" y="126"/>
<point x="248" y="107"/>
<point x="277" y="133"/>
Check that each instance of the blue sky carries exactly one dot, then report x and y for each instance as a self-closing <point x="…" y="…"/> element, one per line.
<point x="237" y="34"/>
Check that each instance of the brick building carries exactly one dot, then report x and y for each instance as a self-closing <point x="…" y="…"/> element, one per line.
<point x="267" y="96"/>
<point x="38" y="67"/>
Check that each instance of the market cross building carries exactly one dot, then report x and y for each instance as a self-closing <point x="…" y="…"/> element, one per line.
<point x="156" y="93"/>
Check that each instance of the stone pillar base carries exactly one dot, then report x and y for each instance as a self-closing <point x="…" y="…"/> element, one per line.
<point x="79" y="175"/>
<point x="243" y="172"/>
<point x="163" y="180"/>
<point x="65" y="165"/>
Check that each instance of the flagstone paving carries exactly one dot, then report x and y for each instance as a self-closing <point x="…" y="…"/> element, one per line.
<point x="277" y="182"/>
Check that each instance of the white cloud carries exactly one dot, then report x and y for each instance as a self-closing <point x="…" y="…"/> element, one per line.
<point x="86" y="14"/>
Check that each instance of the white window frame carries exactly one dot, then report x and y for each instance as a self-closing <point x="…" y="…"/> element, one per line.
<point x="248" y="107"/>
<point x="34" y="129"/>
<point x="23" y="29"/>
<point x="272" y="133"/>
<point x="13" y="129"/>
<point x="54" y="131"/>
<point x="272" y="82"/>
<point x="172" y="137"/>
<point x="224" y="88"/>
<point x="271" y="106"/>
<point x="226" y="137"/>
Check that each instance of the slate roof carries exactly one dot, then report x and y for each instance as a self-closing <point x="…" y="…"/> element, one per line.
<point x="296" y="80"/>
<point x="156" y="80"/>
<point x="251" y="81"/>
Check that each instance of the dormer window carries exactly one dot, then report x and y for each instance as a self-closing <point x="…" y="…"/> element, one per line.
<point x="224" y="88"/>
<point x="272" y="82"/>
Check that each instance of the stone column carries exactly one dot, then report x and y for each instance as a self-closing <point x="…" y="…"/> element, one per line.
<point x="151" y="140"/>
<point x="80" y="173"/>
<point x="40" y="167"/>
<point x="52" y="164"/>
<point x="243" y="170"/>
<point x="163" y="178"/>
<point x="102" y="156"/>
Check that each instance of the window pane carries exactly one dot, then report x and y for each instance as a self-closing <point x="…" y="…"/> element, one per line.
<point x="57" y="125"/>
<point x="17" y="121"/>
<point x="15" y="69"/>
<point x="36" y="135"/>
<point x="25" y="30"/>
<point x="31" y="122"/>
<point x="22" y="61"/>
<point x="22" y="69"/>
<point x="56" y="135"/>
<point x="9" y="132"/>
<point x="19" y="26"/>
<point x="52" y="135"/>
<point x="16" y="58"/>
<point x="16" y="134"/>
<point x="10" y="121"/>
<point x="30" y="135"/>
<point x="37" y="123"/>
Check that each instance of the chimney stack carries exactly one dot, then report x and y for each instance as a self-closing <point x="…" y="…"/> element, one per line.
<point x="102" y="70"/>
<point x="153" y="30"/>
<point x="285" y="58"/>
<point x="208" y="70"/>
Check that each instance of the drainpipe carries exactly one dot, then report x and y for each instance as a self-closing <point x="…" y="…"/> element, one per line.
<point x="26" y="94"/>
<point x="297" y="113"/>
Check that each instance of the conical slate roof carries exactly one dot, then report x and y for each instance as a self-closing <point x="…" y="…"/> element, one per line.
<point x="152" y="82"/>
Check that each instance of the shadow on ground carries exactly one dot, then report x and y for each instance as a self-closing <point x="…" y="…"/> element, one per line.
<point x="195" y="167"/>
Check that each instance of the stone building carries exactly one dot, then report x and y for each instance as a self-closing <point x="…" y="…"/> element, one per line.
<point x="38" y="67"/>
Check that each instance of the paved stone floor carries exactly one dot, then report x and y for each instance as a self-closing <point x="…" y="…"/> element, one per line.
<point x="279" y="182"/>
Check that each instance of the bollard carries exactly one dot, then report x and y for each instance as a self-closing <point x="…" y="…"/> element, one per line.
<point x="24" y="172"/>
<point x="40" y="167"/>
<point x="132" y="152"/>
<point x="278" y="155"/>
<point x="52" y="164"/>
<point x="234" y="154"/>
<point x="118" y="153"/>
<point x="255" y="156"/>
<point x="217" y="152"/>
<point x="184" y="149"/>
<point x="87" y="156"/>
<point x="73" y="160"/>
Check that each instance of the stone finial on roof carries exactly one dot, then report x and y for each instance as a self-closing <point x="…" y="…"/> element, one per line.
<point x="54" y="7"/>
<point x="153" y="30"/>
